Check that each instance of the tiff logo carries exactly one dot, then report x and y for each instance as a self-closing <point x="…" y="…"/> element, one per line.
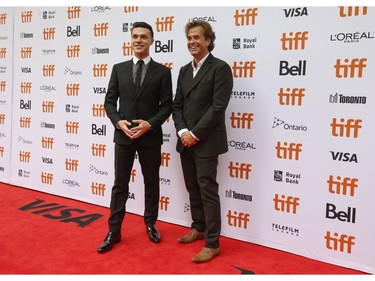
<point x="346" y="127"/>
<point x="48" y="69"/>
<point x="291" y="151"/>
<point x="72" y="89"/>
<point x="98" y="149"/>
<point x="26" y="52"/>
<point x="343" y="69"/>
<point x="100" y="29"/>
<point x="130" y="9"/>
<point x="26" y="16"/>
<point x="98" y="188"/>
<point x="163" y="203"/>
<point x="243" y="70"/>
<point x="239" y="170"/>
<point x="2" y="118"/>
<point x="47" y="178"/>
<point x="71" y="164"/>
<point x="164" y="24"/>
<point x="47" y="142"/>
<point x="74" y="12"/>
<point x="2" y="149"/>
<point x="286" y="204"/>
<point x="127" y="49"/>
<point x="3" y="85"/>
<point x="71" y="127"/>
<point x="343" y="243"/>
<point x="242" y="120"/>
<point x="49" y="33"/>
<point x="98" y="110"/>
<point x="165" y="157"/>
<point x="25" y="156"/>
<point x="345" y="186"/>
<point x="349" y="11"/>
<point x="25" y="122"/>
<point x="100" y="70"/>
<point x="3" y="18"/>
<point x="26" y="87"/>
<point x="3" y="53"/>
<point x="245" y="17"/>
<point x="291" y="97"/>
<point x="48" y="106"/>
<point x="239" y="220"/>
<point x="295" y="41"/>
<point x="72" y="51"/>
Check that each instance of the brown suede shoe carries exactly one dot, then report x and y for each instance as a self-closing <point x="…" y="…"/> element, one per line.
<point x="191" y="236"/>
<point x="206" y="254"/>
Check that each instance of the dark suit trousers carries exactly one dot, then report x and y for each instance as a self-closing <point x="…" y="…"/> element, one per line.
<point x="150" y="160"/>
<point x="200" y="179"/>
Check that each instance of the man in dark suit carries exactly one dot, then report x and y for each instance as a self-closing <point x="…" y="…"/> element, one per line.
<point x="203" y="92"/>
<point x="138" y="101"/>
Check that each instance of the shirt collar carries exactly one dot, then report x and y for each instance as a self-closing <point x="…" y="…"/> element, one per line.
<point x="199" y="63"/>
<point x="145" y="60"/>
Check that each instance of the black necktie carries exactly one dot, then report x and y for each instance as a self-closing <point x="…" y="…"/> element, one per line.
<point x="138" y="76"/>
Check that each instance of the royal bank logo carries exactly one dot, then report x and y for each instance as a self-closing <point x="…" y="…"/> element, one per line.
<point x="49" y="15"/>
<point x="167" y="137"/>
<point x="244" y="43"/>
<point x="292" y="178"/>
<point x="289" y="127"/>
<point x="71" y="108"/>
<point x="127" y="26"/>
<point x="23" y="174"/>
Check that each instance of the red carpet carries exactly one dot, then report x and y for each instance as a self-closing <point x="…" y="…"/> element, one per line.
<point x="46" y="234"/>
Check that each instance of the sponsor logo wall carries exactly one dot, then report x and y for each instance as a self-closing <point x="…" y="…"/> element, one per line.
<point x="300" y="120"/>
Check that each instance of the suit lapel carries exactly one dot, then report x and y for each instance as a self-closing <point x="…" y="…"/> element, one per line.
<point x="149" y="74"/>
<point x="201" y="73"/>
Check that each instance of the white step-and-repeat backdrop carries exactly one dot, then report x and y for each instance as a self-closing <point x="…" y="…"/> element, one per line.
<point x="301" y="123"/>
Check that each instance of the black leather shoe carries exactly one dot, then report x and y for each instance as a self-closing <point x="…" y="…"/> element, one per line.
<point x="108" y="242"/>
<point x="153" y="233"/>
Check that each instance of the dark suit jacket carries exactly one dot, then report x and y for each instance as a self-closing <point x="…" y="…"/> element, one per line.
<point x="153" y="102"/>
<point x="200" y="104"/>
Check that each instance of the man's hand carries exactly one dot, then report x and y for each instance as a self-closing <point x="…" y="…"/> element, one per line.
<point x="143" y="127"/>
<point x="188" y="140"/>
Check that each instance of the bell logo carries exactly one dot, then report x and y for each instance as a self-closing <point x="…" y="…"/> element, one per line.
<point x="100" y="70"/>
<point x="49" y="33"/>
<point x="127" y="49"/>
<point x="26" y="16"/>
<point x="72" y="51"/>
<point x="239" y="170"/>
<point x="26" y="52"/>
<point x="165" y="157"/>
<point x="3" y="53"/>
<point x="25" y="156"/>
<point x="163" y="203"/>
<point x="98" y="110"/>
<point x="2" y="118"/>
<point x="98" y="149"/>
<point x="74" y="12"/>
<point x="72" y="89"/>
<point x="239" y="220"/>
<point x="47" y="178"/>
<point x="48" y="106"/>
<point x="242" y="120"/>
<point x="291" y="151"/>
<point x="346" y="127"/>
<point x="3" y="18"/>
<point x="291" y="97"/>
<point x="295" y="41"/>
<point x="48" y="69"/>
<point x="349" y="68"/>
<point x="352" y="11"/>
<point x="130" y="9"/>
<point x="47" y="142"/>
<point x="243" y="18"/>
<point x="345" y="186"/>
<point x="2" y="151"/>
<point x="25" y="122"/>
<point x="100" y="29"/>
<point x="71" y="164"/>
<point x="343" y="243"/>
<point x="243" y="70"/>
<point x="26" y="87"/>
<point x="3" y="85"/>
<point x="286" y="204"/>
<point x="164" y="24"/>
<point x="71" y="127"/>
<point x="98" y="188"/>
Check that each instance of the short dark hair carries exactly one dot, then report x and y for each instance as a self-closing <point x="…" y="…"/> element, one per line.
<point x="207" y="31"/>
<point x="143" y="25"/>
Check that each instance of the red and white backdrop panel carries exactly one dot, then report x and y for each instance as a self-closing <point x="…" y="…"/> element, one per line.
<point x="297" y="176"/>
